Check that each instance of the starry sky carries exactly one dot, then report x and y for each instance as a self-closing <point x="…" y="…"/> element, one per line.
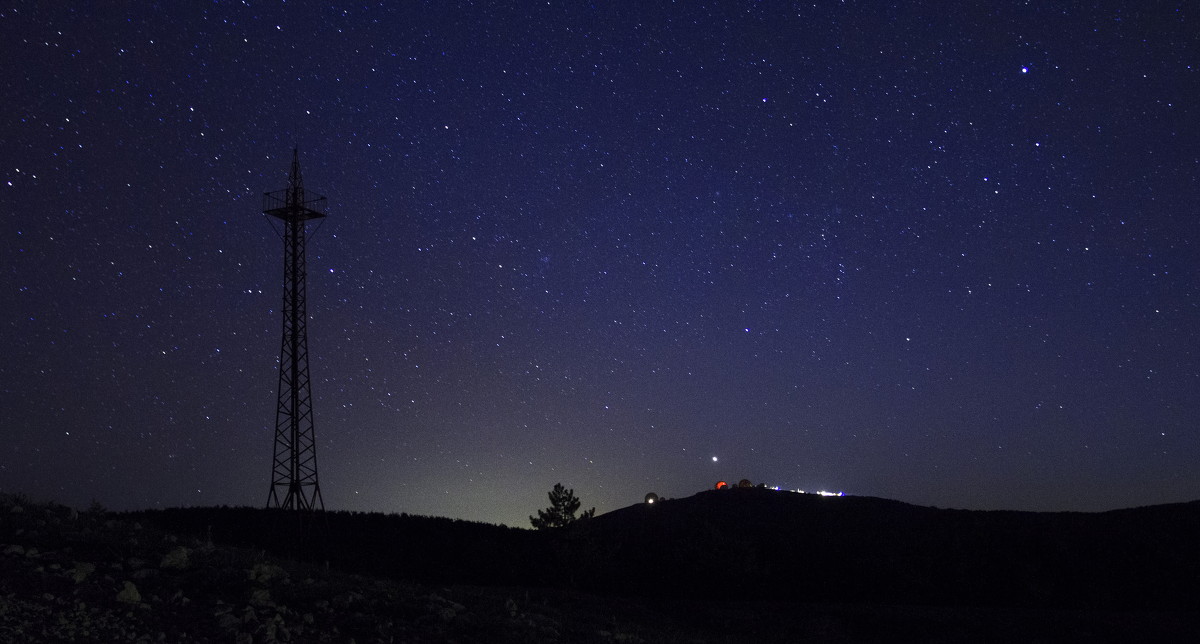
<point x="941" y="255"/>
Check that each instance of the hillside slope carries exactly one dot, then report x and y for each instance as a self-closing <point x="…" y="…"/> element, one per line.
<point x="760" y="543"/>
<point x="750" y="565"/>
<point x="765" y="543"/>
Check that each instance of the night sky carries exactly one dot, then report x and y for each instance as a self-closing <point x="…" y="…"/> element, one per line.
<point x="938" y="254"/>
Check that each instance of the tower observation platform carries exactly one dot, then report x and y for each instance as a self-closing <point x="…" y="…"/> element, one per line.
<point x="294" y="482"/>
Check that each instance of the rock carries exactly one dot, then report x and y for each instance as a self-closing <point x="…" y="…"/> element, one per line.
<point x="177" y="558"/>
<point x="260" y="597"/>
<point x="129" y="594"/>
<point x="228" y="622"/>
<point x="264" y="573"/>
<point x="14" y="549"/>
<point x="438" y="600"/>
<point x="81" y="571"/>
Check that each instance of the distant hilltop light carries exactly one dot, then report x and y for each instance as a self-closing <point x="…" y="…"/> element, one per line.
<point x="745" y="484"/>
<point x="823" y="493"/>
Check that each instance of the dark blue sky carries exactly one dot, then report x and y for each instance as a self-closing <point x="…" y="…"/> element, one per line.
<point x="943" y="255"/>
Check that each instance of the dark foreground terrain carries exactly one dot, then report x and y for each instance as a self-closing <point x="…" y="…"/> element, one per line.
<point x="730" y="566"/>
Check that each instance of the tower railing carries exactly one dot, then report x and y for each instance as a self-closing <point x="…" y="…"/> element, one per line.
<point x="294" y="481"/>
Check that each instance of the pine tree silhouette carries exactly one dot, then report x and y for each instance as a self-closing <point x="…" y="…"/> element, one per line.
<point x="563" y="506"/>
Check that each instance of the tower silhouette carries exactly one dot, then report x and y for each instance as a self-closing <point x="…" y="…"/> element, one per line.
<point x="294" y="484"/>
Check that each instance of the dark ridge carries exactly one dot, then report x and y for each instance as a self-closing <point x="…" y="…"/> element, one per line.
<point x="765" y="544"/>
<point x="420" y="548"/>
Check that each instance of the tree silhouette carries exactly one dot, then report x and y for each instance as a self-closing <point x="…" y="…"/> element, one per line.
<point x="563" y="505"/>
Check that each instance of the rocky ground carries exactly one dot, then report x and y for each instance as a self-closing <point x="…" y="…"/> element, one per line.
<point x="69" y="576"/>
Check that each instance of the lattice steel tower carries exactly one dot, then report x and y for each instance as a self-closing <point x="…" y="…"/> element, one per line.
<point x="294" y="482"/>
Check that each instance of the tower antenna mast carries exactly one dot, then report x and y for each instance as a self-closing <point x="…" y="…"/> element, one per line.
<point x="294" y="484"/>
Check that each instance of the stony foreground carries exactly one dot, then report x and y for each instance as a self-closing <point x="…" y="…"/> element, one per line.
<point x="68" y="576"/>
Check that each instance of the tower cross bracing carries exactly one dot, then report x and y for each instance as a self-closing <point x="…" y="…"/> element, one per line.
<point x="294" y="483"/>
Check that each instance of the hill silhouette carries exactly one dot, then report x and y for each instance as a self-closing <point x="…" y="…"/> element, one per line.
<point x="766" y="544"/>
<point x="732" y="566"/>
